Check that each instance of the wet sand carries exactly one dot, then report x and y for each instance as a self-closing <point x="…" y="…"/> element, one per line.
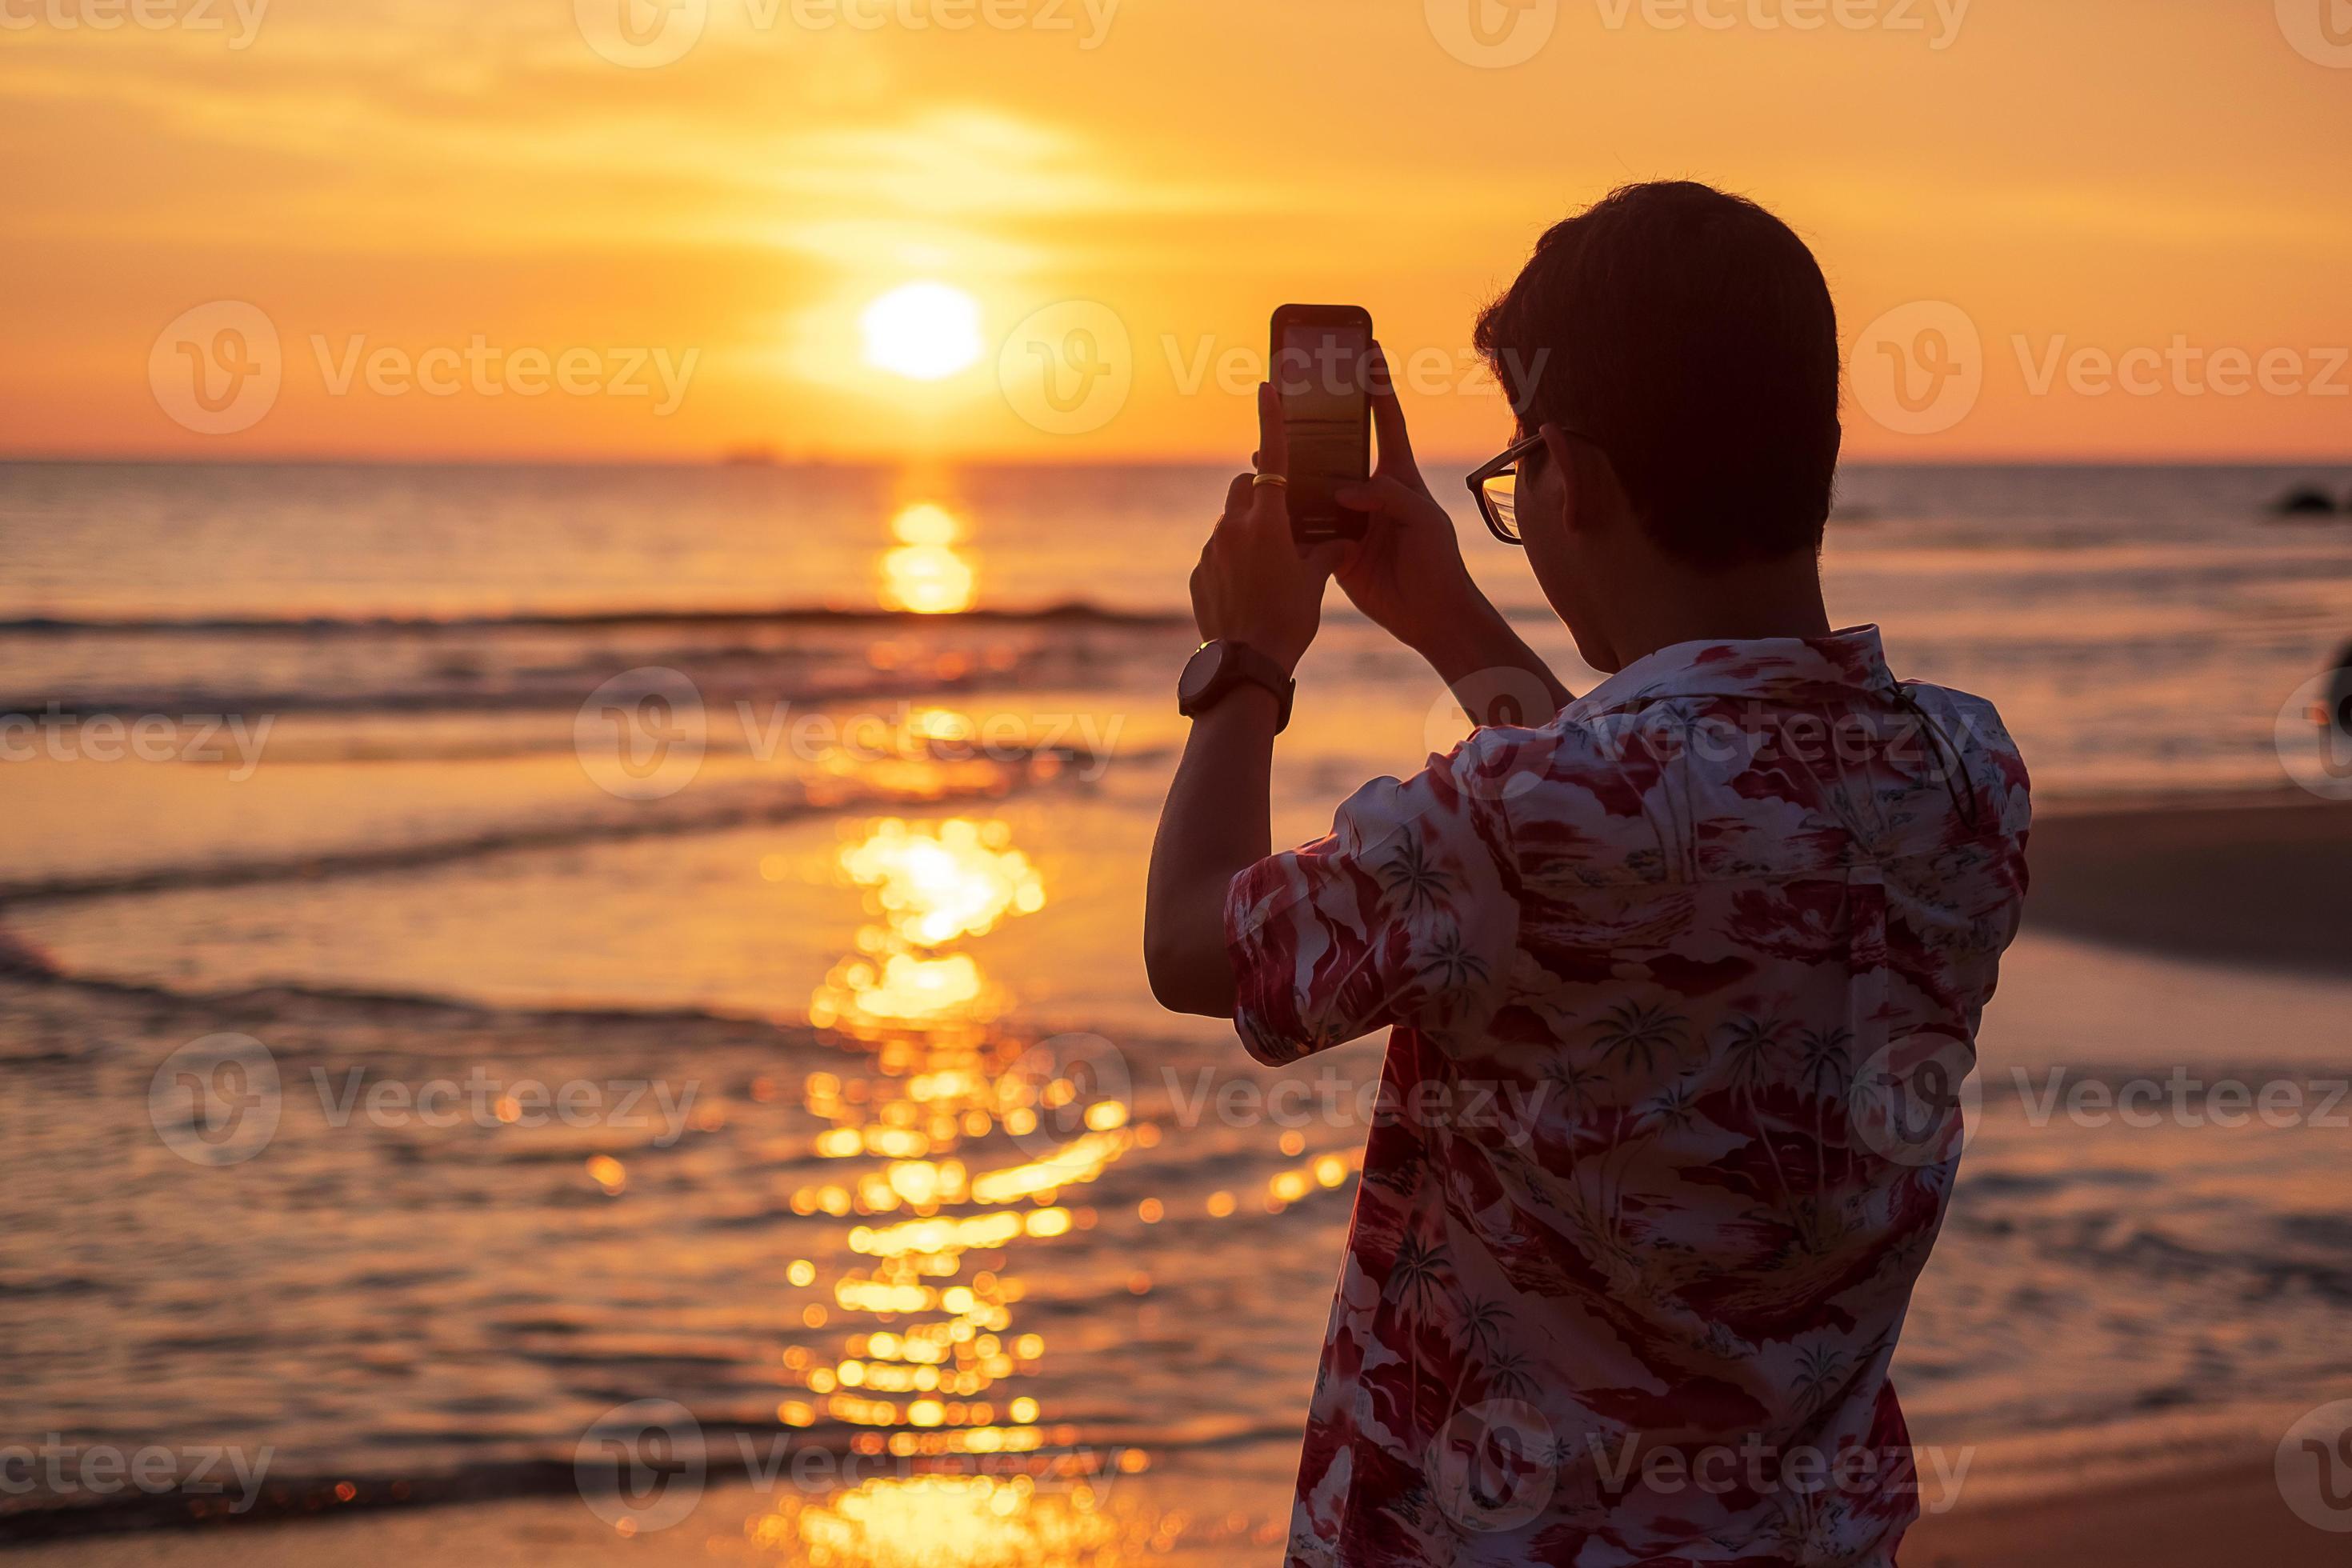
<point x="2231" y="1519"/>
<point x="2259" y="881"/>
<point x="2221" y="1520"/>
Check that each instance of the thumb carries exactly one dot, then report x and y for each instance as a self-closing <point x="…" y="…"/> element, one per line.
<point x="1273" y="433"/>
<point x="1387" y="416"/>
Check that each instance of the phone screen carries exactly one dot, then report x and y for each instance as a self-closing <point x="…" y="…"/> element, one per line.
<point x="1319" y="372"/>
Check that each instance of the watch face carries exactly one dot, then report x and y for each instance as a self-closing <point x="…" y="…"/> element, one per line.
<point x="1200" y="677"/>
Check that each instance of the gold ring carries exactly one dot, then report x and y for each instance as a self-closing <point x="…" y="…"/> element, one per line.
<point x="1279" y="481"/>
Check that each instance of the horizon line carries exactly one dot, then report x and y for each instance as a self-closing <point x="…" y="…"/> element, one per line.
<point x="753" y="461"/>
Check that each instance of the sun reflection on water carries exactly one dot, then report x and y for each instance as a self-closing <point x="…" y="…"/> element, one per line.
<point x="931" y="887"/>
<point x="961" y="1521"/>
<point x="962" y="880"/>
<point x="925" y="573"/>
<point x="955" y="1155"/>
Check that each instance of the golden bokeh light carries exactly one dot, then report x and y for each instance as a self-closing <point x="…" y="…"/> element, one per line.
<point x="927" y="579"/>
<point x="925" y="522"/>
<point x="924" y="572"/>
<point x="959" y="1521"/>
<point x="938" y="885"/>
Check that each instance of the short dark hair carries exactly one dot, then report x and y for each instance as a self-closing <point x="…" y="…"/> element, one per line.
<point x="1690" y="334"/>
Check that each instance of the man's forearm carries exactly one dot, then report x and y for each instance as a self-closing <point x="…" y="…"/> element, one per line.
<point x="1216" y="824"/>
<point x="1468" y="653"/>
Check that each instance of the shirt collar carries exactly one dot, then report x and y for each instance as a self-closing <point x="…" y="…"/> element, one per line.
<point x="1786" y="670"/>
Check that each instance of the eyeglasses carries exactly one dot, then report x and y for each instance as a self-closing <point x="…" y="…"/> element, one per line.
<point x="1496" y="486"/>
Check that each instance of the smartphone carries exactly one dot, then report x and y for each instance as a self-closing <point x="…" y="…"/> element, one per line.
<point x="1318" y="363"/>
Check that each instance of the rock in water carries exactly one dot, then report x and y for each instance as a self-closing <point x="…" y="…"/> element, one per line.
<point x="2304" y="501"/>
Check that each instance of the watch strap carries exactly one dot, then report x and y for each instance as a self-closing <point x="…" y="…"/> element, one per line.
<point x="1239" y="665"/>
<point x="1258" y="669"/>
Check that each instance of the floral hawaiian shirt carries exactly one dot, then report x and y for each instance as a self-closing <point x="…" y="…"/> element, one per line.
<point x="1684" y="988"/>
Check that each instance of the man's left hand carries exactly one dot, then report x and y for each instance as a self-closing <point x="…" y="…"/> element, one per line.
<point x="1254" y="584"/>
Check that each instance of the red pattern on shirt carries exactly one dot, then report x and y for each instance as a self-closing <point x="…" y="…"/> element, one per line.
<point x="1683" y="929"/>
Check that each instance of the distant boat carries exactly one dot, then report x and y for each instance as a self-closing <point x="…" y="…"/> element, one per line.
<point x="2304" y="501"/>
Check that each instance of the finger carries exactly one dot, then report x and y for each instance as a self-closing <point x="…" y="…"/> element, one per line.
<point x="1237" y="494"/>
<point x="1324" y="560"/>
<point x="1388" y="414"/>
<point x="1270" y="508"/>
<point x="1272" y="439"/>
<point x="1383" y="494"/>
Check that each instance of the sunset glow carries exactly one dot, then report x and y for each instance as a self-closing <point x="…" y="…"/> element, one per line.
<point x="638" y="930"/>
<point x="844" y="226"/>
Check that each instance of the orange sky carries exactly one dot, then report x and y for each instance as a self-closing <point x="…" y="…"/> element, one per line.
<point x="370" y="175"/>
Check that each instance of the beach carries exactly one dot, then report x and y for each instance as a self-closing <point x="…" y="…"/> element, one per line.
<point x="810" y="970"/>
<point x="2220" y="1519"/>
<point x="2262" y="881"/>
<point x="2223" y="1518"/>
<point x="2205" y="1496"/>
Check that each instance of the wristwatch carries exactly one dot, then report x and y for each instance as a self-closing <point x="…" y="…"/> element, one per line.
<point x="1223" y="668"/>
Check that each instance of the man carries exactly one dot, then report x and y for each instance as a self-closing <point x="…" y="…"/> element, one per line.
<point x="1726" y="923"/>
<point x="2334" y="716"/>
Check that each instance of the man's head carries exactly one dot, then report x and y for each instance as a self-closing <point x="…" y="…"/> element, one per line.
<point x="1683" y="343"/>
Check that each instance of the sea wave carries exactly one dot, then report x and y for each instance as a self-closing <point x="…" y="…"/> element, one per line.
<point x="1067" y="613"/>
<point x="764" y="803"/>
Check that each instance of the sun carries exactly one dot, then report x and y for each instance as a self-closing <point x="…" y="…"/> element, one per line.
<point x="924" y="331"/>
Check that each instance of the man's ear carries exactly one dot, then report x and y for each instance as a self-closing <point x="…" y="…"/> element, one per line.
<point x="1562" y="458"/>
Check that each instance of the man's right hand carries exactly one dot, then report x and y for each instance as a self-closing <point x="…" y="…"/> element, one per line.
<point x="1407" y="573"/>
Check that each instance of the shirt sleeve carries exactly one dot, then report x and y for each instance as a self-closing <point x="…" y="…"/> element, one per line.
<point x="1407" y="912"/>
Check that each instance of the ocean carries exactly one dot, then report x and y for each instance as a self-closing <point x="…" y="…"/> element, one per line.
<point x="673" y="934"/>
